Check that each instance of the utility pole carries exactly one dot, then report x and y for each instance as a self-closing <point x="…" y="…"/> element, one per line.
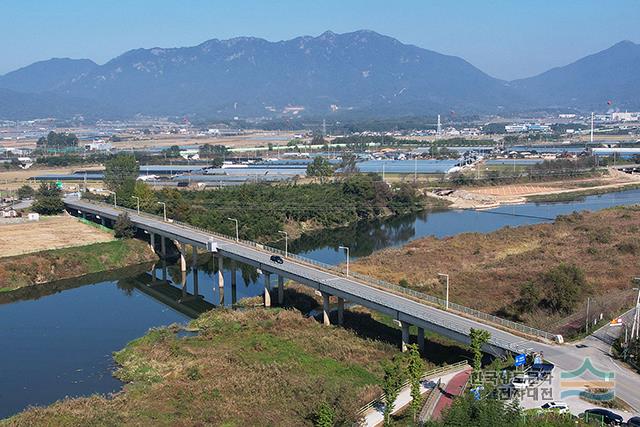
<point x="286" y="243"/>
<point x="236" y="221"/>
<point x="137" y="203"/>
<point x="592" y="128"/>
<point x="446" y="277"/>
<point x="346" y="249"/>
<point x="164" y="210"/>
<point x="586" y="321"/>
<point x="635" y="328"/>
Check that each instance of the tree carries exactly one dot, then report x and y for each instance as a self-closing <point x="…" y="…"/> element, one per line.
<point x="318" y="139"/>
<point x="320" y="168"/>
<point x="564" y="286"/>
<point x="391" y="383"/>
<point x="120" y="175"/>
<point x="415" y="369"/>
<point x="172" y="152"/>
<point x="530" y="297"/>
<point x="48" y="200"/>
<point x="324" y="416"/>
<point x="479" y="337"/>
<point x="25" y="192"/>
<point x="148" y="199"/>
<point x="349" y="164"/>
<point x="208" y="151"/>
<point x="124" y="228"/>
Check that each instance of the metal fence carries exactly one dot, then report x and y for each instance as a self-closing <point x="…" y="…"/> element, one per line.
<point x="508" y="324"/>
<point x="426" y="375"/>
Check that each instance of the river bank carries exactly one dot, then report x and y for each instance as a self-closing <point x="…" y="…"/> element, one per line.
<point x="48" y="266"/>
<point x="514" y="272"/>
<point x="272" y="365"/>
<point x="492" y="196"/>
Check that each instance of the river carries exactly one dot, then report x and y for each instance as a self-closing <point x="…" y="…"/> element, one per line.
<point x="58" y="339"/>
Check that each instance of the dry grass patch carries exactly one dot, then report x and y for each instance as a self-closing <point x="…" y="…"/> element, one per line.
<point x="48" y="233"/>
<point x="487" y="271"/>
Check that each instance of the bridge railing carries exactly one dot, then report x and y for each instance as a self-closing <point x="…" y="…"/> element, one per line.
<point x="508" y="324"/>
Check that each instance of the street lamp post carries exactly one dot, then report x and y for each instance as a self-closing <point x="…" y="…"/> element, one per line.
<point x="286" y="243"/>
<point x="635" y="328"/>
<point x="115" y="198"/>
<point x="446" y="300"/>
<point x="346" y="249"/>
<point x="236" y="221"/>
<point x="164" y="210"/>
<point x="137" y="203"/>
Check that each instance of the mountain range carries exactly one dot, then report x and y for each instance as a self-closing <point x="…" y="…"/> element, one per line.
<point x="362" y="72"/>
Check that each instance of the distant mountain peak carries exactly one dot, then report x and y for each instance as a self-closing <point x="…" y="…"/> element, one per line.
<point x="360" y="72"/>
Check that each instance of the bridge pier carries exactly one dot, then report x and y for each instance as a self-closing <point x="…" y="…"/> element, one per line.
<point x="267" y="289"/>
<point x="326" y="310"/>
<point x="340" y="311"/>
<point x="152" y="241"/>
<point x="421" y="339"/>
<point x="182" y="248"/>
<point x="103" y="221"/>
<point x="195" y="282"/>
<point x="220" y="271"/>
<point x="164" y="270"/>
<point x="163" y="246"/>
<point x="234" y="297"/>
<point x="280" y="290"/>
<point x="405" y="335"/>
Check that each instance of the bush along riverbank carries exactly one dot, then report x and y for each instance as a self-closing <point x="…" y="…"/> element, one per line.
<point x="48" y="266"/>
<point x="262" y="210"/>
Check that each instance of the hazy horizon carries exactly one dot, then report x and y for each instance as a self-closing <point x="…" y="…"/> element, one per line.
<point x="504" y="39"/>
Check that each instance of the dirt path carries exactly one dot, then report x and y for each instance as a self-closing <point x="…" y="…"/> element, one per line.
<point x="48" y="233"/>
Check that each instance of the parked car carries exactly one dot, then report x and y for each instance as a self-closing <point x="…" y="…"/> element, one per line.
<point x="634" y="422"/>
<point x="277" y="259"/>
<point x="541" y="370"/>
<point x="557" y="406"/>
<point x="521" y="382"/>
<point x="608" y="417"/>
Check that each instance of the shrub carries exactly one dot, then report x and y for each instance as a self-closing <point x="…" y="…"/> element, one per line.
<point x="123" y="227"/>
<point x="564" y="286"/>
<point x="48" y="200"/>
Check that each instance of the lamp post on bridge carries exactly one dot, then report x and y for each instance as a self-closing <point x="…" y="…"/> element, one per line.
<point x="137" y="203"/>
<point x="286" y="243"/>
<point x="635" y="328"/>
<point x="346" y="249"/>
<point x="237" y="234"/>
<point x="164" y="210"/>
<point x="446" y="300"/>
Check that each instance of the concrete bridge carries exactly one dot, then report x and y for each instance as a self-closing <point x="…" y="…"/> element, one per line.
<point x="406" y="309"/>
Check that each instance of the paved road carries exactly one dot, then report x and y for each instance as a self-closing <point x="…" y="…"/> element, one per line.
<point x="566" y="357"/>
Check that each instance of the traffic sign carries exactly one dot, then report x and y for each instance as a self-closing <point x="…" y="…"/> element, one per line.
<point x="520" y="360"/>
<point x="616" y="322"/>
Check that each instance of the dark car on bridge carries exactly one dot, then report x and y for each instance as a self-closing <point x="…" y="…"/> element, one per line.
<point x="277" y="259"/>
<point x="607" y="417"/>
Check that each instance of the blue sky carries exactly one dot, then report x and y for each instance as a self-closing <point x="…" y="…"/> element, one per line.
<point x="507" y="39"/>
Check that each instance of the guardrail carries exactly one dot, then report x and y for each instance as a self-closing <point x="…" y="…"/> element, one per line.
<point x="515" y="326"/>
<point x="426" y="375"/>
